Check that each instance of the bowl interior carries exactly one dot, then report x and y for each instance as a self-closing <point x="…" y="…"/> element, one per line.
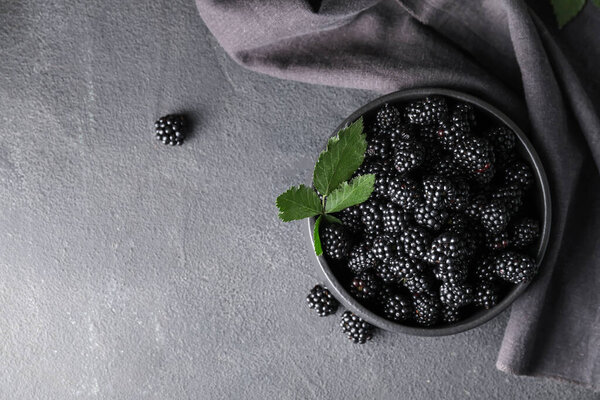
<point x="538" y="204"/>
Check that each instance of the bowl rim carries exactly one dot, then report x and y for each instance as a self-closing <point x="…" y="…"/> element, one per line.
<point x="483" y="316"/>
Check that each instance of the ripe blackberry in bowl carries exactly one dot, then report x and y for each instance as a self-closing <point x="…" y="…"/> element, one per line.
<point x="457" y="225"/>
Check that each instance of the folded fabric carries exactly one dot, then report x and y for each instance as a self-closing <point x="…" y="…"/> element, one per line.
<point x="511" y="56"/>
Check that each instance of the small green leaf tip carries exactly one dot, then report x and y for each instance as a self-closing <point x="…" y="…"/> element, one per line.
<point x="350" y="194"/>
<point x="317" y="237"/>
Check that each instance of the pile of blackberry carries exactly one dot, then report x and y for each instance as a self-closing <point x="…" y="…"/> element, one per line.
<point x="451" y="224"/>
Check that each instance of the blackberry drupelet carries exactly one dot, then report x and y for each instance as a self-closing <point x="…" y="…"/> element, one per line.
<point x="350" y="218"/>
<point x="389" y="271"/>
<point x="385" y="248"/>
<point x="366" y="285"/>
<point x="450" y="314"/>
<point x="408" y="155"/>
<point x="511" y="196"/>
<point x="395" y="219"/>
<point x="484" y="176"/>
<point x="428" y="308"/>
<point x="416" y="241"/>
<point x="419" y="283"/>
<point x="169" y="129"/>
<point x="453" y="272"/>
<point x="497" y="241"/>
<point x="437" y="191"/>
<point x="524" y="233"/>
<point x="449" y="133"/>
<point x="335" y="240"/>
<point x="484" y="270"/>
<point x="503" y="140"/>
<point x="464" y="114"/>
<point x="458" y="200"/>
<point x="447" y="167"/>
<point x="400" y="133"/>
<point x="382" y="174"/>
<point x="378" y="146"/>
<point x="447" y="248"/>
<point x="518" y="173"/>
<point x="388" y="117"/>
<point x="398" y="307"/>
<point x="514" y="267"/>
<point x="486" y="295"/>
<point x="428" y="111"/>
<point x="494" y="217"/>
<point x="476" y="204"/>
<point x="372" y="214"/>
<point x="322" y="301"/>
<point x="357" y="330"/>
<point x="405" y="192"/>
<point x="457" y="223"/>
<point x="456" y="294"/>
<point x="429" y="217"/>
<point x="406" y="268"/>
<point x="361" y="258"/>
<point x="474" y="154"/>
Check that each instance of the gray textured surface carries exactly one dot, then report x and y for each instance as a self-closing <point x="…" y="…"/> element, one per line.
<point x="133" y="270"/>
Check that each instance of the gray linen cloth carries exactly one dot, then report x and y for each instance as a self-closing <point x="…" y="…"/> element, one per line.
<point x="504" y="51"/>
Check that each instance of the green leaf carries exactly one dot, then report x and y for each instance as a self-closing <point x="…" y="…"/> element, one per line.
<point x="331" y="219"/>
<point x="349" y="194"/>
<point x="298" y="202"/>
<point x="317" y="237"/>
<point x="344" y="154"/>
<point x="565" y="10"/>
<point x="596" y="3"/>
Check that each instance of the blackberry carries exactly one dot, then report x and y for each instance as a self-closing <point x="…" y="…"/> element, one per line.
<point x="357" y="329"/>
<point x="365" y="285"/>
<point x="405" y="192"/>
<point x="474" y="154"/>
<point x="419" y="283"/>
<point x="378" y="146"/>
<point x="381" y="171"/>
<point x="484" y="176"/>
<point x="350" y="218"/>
<point x="401" y="133"/>
<point x="428" y="308"/>
<point x="415" y="241"/>
<point x="447" y="248"/>
<point x="389" y="271"/>
<point x="458" y="199"/>
<point x="447" y="167"/>
<point x="497" y="241"/>
<point x="429" y="217"/>
<point x="453" y="272"/>
<point x="408" y="155"/>
<point x="455" y="294"/>
<point x="524" y="233"/>
<point x="494" y="217"/>
<point x="384" y="248"/>
<point x="518" y="173"/>
<point x="397" y="307"/>
<point x="486" y="295"/>
<point x="457" y="223"/>
<point x="464" y="114"/>
<point x="514" y="267"/>
<point x="361" y="258"/>
<point x="511" y="196"/>
<point x="335" y="240"/>
<point x="438" y="191"/>
<point x="473" y="209"/>
<point x="450" y="314"/>
<point x="428" y="111"/>
<point x="406" y="268"/>
<point x="322" y="301"/>
<point x="372" y="214"/>
<point x="502" y="138"/>
<point x="169" y="129"/>
<point x="449" y="133"/>
<point x="395" y="219"/>
<point x="388" y="117"/>
<point x="485" y="270"/>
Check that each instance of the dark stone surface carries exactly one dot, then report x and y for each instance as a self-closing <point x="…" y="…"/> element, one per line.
<point x="135" y="270"/>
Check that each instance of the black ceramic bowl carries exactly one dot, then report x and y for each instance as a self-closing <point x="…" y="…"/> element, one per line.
<point x="540" y="203"/>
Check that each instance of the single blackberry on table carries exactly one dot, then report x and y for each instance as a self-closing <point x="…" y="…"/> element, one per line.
<point x="366" y="285"/>
<point x="453" y="271"/>
<point x="361" y="258"/>
<point x="378" y="146"/>
<point x="474" y="154"/>
<point x="405" y="192"/>
<point x="388" y="117"/>
<point x="437" y="191"/>
<point x="447" y="167"/>
<point x="322" y="301"/>
<point x="395" y="219"/>
<point x="428" y="111"/>
<point x="408" y="155"/>
<point x="350" y="218"/>
<point x="398" y="307"/>
<point x="372" y="214"/>
<point x="456" y="294"/>
<point x="428" y="308"/>
<point x="415" y="241"/>
<point x="451" y="314"/>
<point x="419" y="283"/>
<point x="484" y="270"/>
<point x="169" y="129"/>
<point x="447" y="248"/>
<point x="428" y="216"/>
<point x="457" y="223"/>
<point x="486" y="295"/>
<point x="502" y="138"/>
<point x="497" y="241"/>
<point x="464" y="114"/>
<point x="357" y="329"/>
<point x="449" y="133"/>
<point x="494" y="217"/>
<point x="514" y="267"/>
<point x="335" y="240"/>
<point x="511" y="196"/>
<point x="385" y="248"/>
<point x="458" y="199"/>
<point x="475" y="205"/>
<point x="524" y="233"/>
<point x="518" y="173"/>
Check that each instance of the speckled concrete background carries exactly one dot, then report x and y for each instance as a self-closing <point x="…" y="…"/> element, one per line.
<point x="133" y="270"/>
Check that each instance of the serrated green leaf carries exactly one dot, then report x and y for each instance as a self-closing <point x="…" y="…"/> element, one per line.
<point x="565" y="10"/>
<point x="317" y="237"/>
<point x="344" y="154"/>
<point x="350" y="194"/>
<point x="331" y="219"/>
<point x="298" y="202"/>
